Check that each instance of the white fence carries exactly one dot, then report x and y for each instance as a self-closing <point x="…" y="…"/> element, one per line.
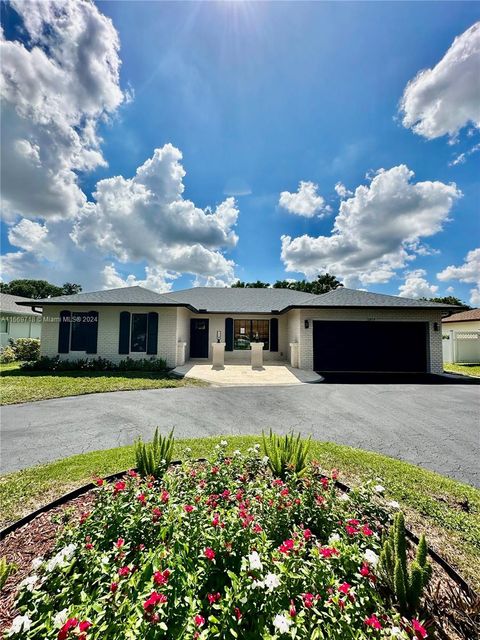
<point x="461" y="346"/>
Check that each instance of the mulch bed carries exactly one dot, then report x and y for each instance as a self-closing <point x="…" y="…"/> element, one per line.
<point x="35" y="539"/>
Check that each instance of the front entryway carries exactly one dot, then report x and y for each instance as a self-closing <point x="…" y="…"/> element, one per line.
<point x="198" y="338"/>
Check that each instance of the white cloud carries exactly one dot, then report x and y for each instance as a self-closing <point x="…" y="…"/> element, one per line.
<point x="442" y="100"/>
<point x="305" y="202"/>
<point x="468" y="272"/>
<point x="416" y="286"/>
<point x="342" y="190"/>
<point x="461" y="158"/>
<point x="376" y="231"/>
<point x="54" y="92"/>
<point x="27" y="235"/>
<point x="155" y="279"/>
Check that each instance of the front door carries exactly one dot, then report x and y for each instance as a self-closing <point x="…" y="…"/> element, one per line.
<point x="198" y="338"/>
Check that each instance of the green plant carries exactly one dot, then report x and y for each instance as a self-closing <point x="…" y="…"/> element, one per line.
<point x="6" y="570"/>
<point x="154" y="458"/>
<point x="7" y="355"/>
<point x="45" y="363"/>
<point x="406" y="583"/>
<point x="286" y="454"/>
<point x="26" y="348"/>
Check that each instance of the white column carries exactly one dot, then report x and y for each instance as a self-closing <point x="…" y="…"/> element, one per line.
<point x="181" y="353"/>
<point x="218" y="357"/>
<point x="257" y="354"/>
<point x="294" y="354"/>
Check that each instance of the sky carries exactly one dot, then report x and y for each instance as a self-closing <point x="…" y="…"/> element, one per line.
<point x="178" y="144"/>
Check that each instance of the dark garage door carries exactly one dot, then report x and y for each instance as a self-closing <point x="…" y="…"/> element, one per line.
<point x="369" y="346"/>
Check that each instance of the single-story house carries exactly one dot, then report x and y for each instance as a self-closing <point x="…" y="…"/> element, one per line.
<point x="18" y="322"/>
<point x="461" y="337"/>
<point x="342" y="330"/>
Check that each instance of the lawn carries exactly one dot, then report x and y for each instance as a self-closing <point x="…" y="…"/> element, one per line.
<point x="464" y="369"/>
<point x="26" y="386"/>
<point x="446" y="510"/>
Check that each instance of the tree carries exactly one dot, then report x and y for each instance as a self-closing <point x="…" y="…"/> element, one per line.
<point x="323" y="283"/>
<point x="449" y="300"/>
<point x="250" y="285"/>
<point x="37" y="289"/>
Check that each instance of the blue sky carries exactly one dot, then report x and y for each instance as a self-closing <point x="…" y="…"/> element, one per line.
<point x="258" y="97"/>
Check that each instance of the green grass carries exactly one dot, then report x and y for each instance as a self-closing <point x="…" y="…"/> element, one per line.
<point x="27" y="386"/>
<point x="446" y="510"/>
<point x="465" y="369"/>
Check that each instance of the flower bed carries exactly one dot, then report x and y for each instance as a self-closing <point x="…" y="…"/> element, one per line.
<point x="221" y="550"/>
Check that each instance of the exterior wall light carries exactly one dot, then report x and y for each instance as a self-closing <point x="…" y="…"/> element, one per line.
<point x="307" y="324"/>
<point x="435" y="326"/>
<point x="219" y="336"/>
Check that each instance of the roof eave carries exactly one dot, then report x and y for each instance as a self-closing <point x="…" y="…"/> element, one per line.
<point x="109" y="304"/>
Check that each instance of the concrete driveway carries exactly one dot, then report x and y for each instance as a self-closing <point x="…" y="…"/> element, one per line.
<point x="432" y="425"/>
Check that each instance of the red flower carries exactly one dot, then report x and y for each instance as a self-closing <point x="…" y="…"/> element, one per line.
<point x="419" y="629"/>
<point x="132" y="473"/>
<point x="164" y="496"/>
<point x="156" y="513"/>
<point x="70" y="624"/>
<point x="84" y="626"/>
<point x="284" y="492"/>
<point x="365" y="570"/>
<point x="308" y="599"/>
<point x="123" y="571"/>
<point x="209" y="553"/>
<point x="119" y="543"/>
<point x="161" y="577"/>
<point x="141" y="498"/>
<point x="335" y="474"/>
<point x="324" y="482"/>
<point x="328" y="552"/>
<point x="214" y="470"/>
<point x="292" y="610"/>
<point x="188" y="508"/>
<point x="350" y="530"/>
<point x="213" y="597"/>
<point x="154" y="599"/>
<point x="238" y="614"/>
<point x="366" y="530"/>
<point x="89" y="546"/>
<point x="286" y="546"/>
<point x="307" y="534"/>
<point x="353" y="522"/>
<point x="344" y="587"/>
<point x="373" y="622"/>
<point x="199" y="620"/>
<point x="99" y="482"/>
<point x="114" y="587"/>
<point x="84" y="516"/>
<point x="257" y="528"/>
<point x="119" y="486"/>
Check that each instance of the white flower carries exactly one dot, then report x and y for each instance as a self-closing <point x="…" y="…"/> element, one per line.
<point x="265" y="460"/>
<point x="344" y="497"/>
<point x="28" y="583"/>
<point x="378" y="488"/>
<point x="255" y="562"/>
<point x="282" y="623"/>
<point x="105" y="560"/>
<point x="334" y="538"/>
<point x="272" y="581"/>
<point x="61" y="558"/>
<point x="237" y="453"/>
<point x="223" y="443"/>
<point x="394" y="504"/>
<point x="60" y="618"/>
<point x="396" y="632"/>
<point x="258" y="584"/>
<point x="371" y="557"/>
<point x="37" y="563"/>
<point x="20" y="623"/>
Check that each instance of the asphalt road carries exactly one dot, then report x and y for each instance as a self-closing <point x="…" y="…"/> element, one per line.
<point x="432" y="425"/>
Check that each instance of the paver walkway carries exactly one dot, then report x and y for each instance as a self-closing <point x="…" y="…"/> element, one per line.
<point x="243" y="374"/>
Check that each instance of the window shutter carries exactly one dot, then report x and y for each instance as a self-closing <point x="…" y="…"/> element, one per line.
<point x="152" y="333"/>
<point x="274" y="334"/>
<point x="124" y="333"/>
<point x="64" y="332"/>
<point x="92" y="332"/>
<point x="228" y="334"/>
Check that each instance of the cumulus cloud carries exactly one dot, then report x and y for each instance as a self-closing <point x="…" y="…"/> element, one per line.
<point x="377" y="230"/>
<point x="342" y="191"/>
<point x="442" y="100"/>
<point x="306" y="201"/>
<point x="468" y="272"/>
<point x="416" y="286"/>
<point x="55" y="90"/>
<point x="155" y="279"/>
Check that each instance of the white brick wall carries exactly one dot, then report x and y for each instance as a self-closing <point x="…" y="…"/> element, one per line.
<point x="435" y="358"/>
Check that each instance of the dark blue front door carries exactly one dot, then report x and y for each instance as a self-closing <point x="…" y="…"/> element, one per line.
<point x="198" y="338"/>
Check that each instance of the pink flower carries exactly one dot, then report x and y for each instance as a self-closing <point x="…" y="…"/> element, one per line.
<point x="335" y="473"/>
<point x="238" y="614"/>
<point x="83" y="627"/>
<point x="119" y="543"/>
<point x="154" y="599"/>
<point x="156" y="514"/>
<point x="161" y="577"/>
<point x="141" y="498"/>
<point x="328" y="552"/>
<point x="119" y="486"/>
<point x="99" y="481"/>
<point x="199" y="620"/>
<point x="307" y="534"/>
<point x="114" y="587"/>
<point x="132" y="473"/>
<point x="366" y="530"/>
<point x="188" y="508"/>
<point x="164" y="496"/>
<point x="350" y="530"/>
<point x="209" y="553"/>
<point x="286" y="546"/>
<point x="365" y="570"/>
<point x="344" y="587"/>
<point x="292" y="610"/>
<point x="70" y="624"/>
<point x="214" y="470"/>
<point x="308" y="599"/>
<point x="373" y="622"/>
<point x="213" y="597"/>
<point x="123" y="571"/>
<point x="419" y="629"/>
<point x="89" y="546"/>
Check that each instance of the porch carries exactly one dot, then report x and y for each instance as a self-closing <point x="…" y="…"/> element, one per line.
<point x="271" y="373"/>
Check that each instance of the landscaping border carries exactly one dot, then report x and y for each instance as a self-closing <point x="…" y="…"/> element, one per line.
<point x="71" y="495"/>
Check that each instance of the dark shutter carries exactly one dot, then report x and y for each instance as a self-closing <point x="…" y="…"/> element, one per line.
<point x="152" y="333"/>
<point x="274" y="334"/>
<point x="124" y="333"/>
<point x="228" y="334"/>
<point x="92" y="331"/>
<point x="64" y="332"/>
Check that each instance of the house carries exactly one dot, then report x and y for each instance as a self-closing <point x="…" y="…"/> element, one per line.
<point x="342" y="330"/>
<point x="17" y="322"/>
<point x="461" y="337"/>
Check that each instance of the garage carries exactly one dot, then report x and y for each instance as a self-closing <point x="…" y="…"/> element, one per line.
<point x="370" y="346"/>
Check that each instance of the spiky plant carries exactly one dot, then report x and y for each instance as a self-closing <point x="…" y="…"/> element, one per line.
<point x="406" y="583"/>
<point x="154" y="458"/>
<point x="286" y="454"/>
<point x="6" y="570"/>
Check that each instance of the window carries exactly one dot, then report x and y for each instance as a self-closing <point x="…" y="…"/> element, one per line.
<point x="247" y="331"/>
<point x="82" y="324"/>
<point x="138" y="338"/>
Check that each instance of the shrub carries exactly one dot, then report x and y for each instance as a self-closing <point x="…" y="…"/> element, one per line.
<point x="7" y="354"/>
<point x="6" y="570"/>
<point x="406" y="584"/>
<point x="45" y="363"/>
<point x="286" y="454"/>
<point x="214" y="551"/>
<point x="153" y="459"/>
<point x="26" y="348"/>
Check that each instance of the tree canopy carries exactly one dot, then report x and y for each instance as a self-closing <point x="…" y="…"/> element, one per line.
<point x="449" y="300"/>
<point x="37" y="289"/>
<point x="322" y="283"/>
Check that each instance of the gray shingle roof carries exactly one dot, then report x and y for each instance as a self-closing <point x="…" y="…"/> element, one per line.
<point x="8" y="304"/>
<point x="226" y="300"/>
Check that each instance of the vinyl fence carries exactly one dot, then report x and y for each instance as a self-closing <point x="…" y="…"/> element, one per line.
<point x="461" y="346"/>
